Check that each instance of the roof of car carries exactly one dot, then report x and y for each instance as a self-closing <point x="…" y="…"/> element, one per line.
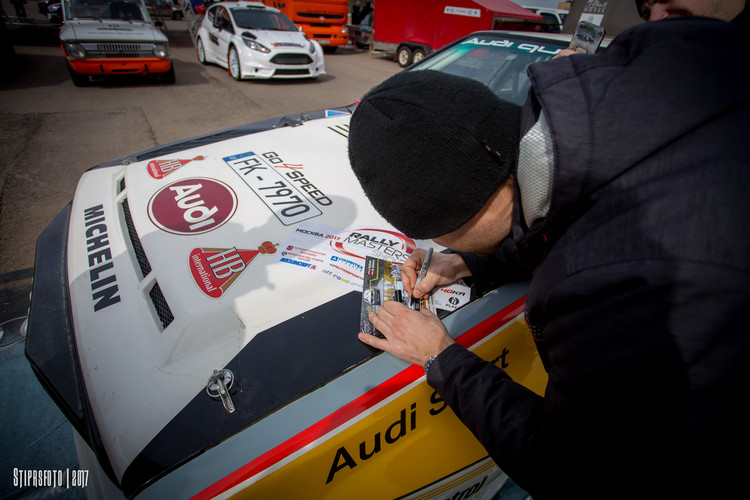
<point x="254" y="5"/>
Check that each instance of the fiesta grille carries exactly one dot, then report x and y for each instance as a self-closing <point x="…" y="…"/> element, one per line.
<point x="292" y="72"/>
<point x="291" y="59"/>
<point x="111" y="50"/>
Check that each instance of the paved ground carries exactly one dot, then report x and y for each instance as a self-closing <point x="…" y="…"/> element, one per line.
<point x="51" y="131"/>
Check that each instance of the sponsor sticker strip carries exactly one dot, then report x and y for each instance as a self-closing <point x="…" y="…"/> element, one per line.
<point x="339" y="254"/>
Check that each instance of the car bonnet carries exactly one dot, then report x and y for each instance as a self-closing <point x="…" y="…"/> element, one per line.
<point x="176" y="264"/>
<point x="89" y="30"/>
<point x="281" y="40"/>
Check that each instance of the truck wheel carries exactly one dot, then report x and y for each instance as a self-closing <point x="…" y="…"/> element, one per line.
<point x="418" y="55"/>
<point x="404" y="56"/>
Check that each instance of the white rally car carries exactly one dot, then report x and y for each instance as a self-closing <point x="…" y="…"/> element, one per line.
<point x="195" y="314"/>
<point x="252" y="40"/>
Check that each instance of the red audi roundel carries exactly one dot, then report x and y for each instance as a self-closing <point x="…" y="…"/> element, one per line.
<point x="192" y="206"/>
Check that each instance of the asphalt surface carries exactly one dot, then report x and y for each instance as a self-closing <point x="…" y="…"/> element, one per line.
<point x="52" y="131"/>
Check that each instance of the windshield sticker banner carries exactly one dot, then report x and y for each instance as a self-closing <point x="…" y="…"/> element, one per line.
<point x="278" y="193"/>
<point x="507" y="44"/>
<point x="215" y="270"/>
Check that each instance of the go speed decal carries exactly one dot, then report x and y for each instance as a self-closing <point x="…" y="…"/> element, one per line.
<point x="282" y="193"/>
<point x="192" y="206"/>
<point x="216" y="269"/>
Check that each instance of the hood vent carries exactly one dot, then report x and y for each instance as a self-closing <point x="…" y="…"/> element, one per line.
<point x="140" y="255"/>
<point x="157" y="297"/>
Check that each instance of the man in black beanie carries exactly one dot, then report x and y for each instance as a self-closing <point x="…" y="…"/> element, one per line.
<point x="628" y="197"/>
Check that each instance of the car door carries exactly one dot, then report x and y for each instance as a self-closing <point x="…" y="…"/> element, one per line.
<point x="221" y="35"/>
<point x="209" y="39"/>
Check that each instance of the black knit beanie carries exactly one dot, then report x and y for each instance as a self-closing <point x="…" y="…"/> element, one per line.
<point x="430" y="149"/>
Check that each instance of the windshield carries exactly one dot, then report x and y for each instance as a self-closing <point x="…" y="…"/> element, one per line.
<point x="498" y="61"/>
<point x="257" y="19"/>
<point x="121" y="10"/>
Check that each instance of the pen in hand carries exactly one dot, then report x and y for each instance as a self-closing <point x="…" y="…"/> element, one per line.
<point x="416" y="304"/>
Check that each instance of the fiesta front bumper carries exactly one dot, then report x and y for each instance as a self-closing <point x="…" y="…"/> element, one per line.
<point x="264" y="66"/>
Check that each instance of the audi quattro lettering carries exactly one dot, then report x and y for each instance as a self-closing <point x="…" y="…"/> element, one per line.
<point x="195" y="314"/>
<point x="112" y="37"/>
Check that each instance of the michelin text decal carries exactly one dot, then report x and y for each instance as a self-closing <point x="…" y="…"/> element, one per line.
<point x="104" y="289"/>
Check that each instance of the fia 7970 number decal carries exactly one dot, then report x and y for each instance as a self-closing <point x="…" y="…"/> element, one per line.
<point x="280" y="196"/>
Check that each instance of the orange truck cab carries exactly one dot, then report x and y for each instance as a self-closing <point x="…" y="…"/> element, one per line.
<point x="321" y="20"/>
<point x="112" y="37"/>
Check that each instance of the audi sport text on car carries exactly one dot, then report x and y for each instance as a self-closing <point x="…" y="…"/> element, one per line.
<point x="255" y="41"/>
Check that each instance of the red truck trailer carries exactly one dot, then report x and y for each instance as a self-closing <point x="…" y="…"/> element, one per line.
<point x="413" y="29"/>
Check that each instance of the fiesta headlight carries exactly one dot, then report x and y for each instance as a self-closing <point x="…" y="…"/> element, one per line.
<point x="256" y="46"/>
<point x="75" y="50"/>
<point x="160" y="50"/>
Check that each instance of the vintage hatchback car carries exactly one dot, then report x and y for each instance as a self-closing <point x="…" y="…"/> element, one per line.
<point x="195" y="314"/>
<point x="252" y="40"/>
<point x="112" y="37"/>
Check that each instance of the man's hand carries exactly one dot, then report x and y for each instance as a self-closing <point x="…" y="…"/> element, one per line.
<point x="410" y="335"/>
<point x="444" y="269"/>
<point x="570" y="52"/>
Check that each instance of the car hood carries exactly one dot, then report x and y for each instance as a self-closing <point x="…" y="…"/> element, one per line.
<point x="280" y="39"/>
<point x="107" y="30"/>
<point x="177" y="263"/>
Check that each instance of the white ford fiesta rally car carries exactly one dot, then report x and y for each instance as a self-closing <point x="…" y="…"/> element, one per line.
<point x="255" y="41"/>
<point x="195" y="313"/>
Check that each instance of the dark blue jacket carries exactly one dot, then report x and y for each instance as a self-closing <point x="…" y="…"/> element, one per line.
<point x="641" y="281"/>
